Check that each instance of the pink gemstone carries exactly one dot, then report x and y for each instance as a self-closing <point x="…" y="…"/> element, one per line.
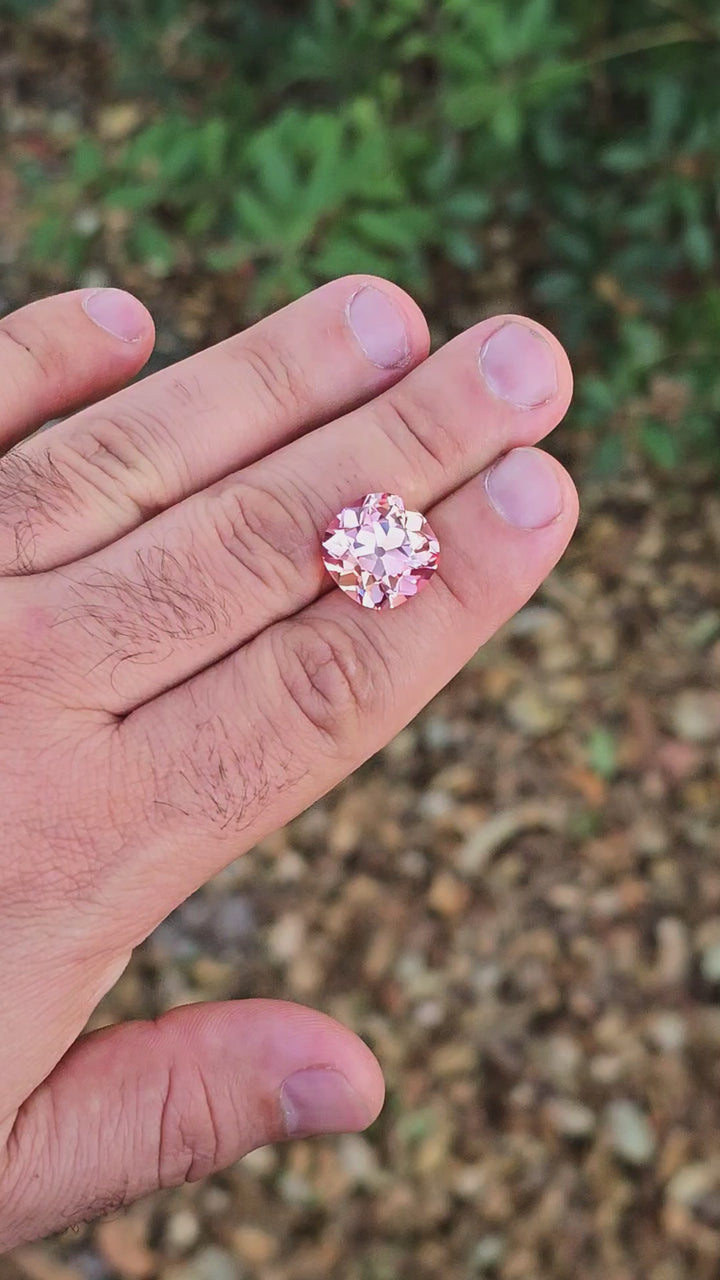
<point x="379" y="553"/>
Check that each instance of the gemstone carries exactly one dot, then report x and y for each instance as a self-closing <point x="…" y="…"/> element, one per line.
<point x="379" y="553"/>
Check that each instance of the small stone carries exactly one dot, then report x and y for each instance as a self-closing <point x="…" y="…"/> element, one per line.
<point x="692" y="1182"/>
<point x="650" y="836"/>
<point x="533" y="713"/>
<point x="673" y="951"/>
<point x="668" y="1031"/>
<point x="123" y="1244"/>
<point x="402" y="749"/>
<point x="289" y="868"/>
<point x="429" y="1013"/>
<point x="560" y="1058"/>
<point x="215" y="1199"/>
<point x="296" y="1190"/>
<point x="710" y="963"/>
<point x="448" y="895"/>
<point x="261" y="1163"/>
<point x="695" y="715"/>
<point x="182" y="1230"/>
<point x="605" y="1068"/>
<point x="254" y="1245"/>
<point x="358" y="1160"/>
<point x="569" y="1118"/>
<point x="286" y="936"/>
<point x="435" y="805"/>
<point x="87" y="221"/>
<point x="209" y="1263"/>
<point x="631" y="1136"/>
<point x="437" y="733"/>
<point x="118" y="120"/>
<point x="379" y="553"/>
<point x="488" y="1254"/>
<point x="234" y="920"/>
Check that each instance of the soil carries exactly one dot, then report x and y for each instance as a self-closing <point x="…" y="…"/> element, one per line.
<point x="517" y="904"/>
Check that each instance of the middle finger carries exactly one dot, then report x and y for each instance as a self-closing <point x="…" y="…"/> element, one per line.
<point x="203" y="578"/>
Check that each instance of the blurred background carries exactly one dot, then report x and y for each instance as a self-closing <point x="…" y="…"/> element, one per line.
<point x="518" y="903"/>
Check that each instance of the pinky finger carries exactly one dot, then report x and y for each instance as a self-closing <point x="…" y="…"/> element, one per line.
<point x="63" y="352"/>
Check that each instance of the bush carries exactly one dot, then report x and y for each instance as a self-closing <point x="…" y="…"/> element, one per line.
<point x="409" y="138"/>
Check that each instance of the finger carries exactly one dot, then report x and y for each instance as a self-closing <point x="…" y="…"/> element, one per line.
<point x="94" y="477"/>
<point x="61" y="352"/>
<point x="202" y="579"/>
<point x="226" y="758"/>
<point x="153" y="1105"/>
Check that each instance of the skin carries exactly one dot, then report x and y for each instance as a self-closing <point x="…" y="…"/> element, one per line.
<point x="178" y="678"/>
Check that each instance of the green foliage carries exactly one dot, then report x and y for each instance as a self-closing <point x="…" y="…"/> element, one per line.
<point x="293" y="143"/>
<point x="602" y="752"/>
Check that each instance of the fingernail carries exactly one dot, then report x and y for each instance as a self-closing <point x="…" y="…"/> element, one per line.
<point x="117" y="312"/>
<point x="524" y="489"/>
<point x="321" y="1100"/>
<point x="518" y="366"/>
<point x="379" y="328"/>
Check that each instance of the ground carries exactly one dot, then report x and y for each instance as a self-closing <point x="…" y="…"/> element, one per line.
<point x="517" y="905"/>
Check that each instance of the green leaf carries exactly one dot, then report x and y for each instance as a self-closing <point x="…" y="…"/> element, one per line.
<point x="661" y="445"/>
<point x="598" y="395"/>
<point x="554" y="287"/>
<point x="131" y="197"/>
<point x="607" y="458"/>
<point x="625" y="157"/>
<point x="88" y="162"/>
<point x="256" y="219"/>
<point x="152" y="245"/>
<point x="644" y="344"/>
<point x="394" y="229"/>
<point x="182" y="158"/>
<point x="214" y="139"/>
<point x="462" y="249"/>
<point x="699" y="242"/>
<point x="46" y="236"/>
<point x="224" y="257"/>
<point x="468" y="206"/>
<point x="602" y="752"/>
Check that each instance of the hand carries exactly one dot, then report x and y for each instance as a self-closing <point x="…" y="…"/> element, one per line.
<point x="178" y="678"/>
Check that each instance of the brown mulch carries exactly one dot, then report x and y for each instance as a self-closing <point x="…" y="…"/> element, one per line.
<point x="517" y="905"/>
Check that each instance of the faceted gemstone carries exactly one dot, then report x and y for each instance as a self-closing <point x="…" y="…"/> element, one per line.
<point x="379" y="553"/>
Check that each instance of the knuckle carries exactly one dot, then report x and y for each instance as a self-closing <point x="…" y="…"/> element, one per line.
<point x="46" y="359"/>
<point x="277" y="378"/>
<point x="118" y="454"/>
<point x="268" y="533"/>
<point x="418" y="434"/>
<point x="219" y="778"/>
<point x="36" y="494"/>
<point x="331" y="676"/>
<point x="190" y="1139"/>
<point x="164" y="599"/>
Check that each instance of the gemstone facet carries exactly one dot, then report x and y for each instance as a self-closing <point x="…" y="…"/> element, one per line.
<point x="379" y="553"/>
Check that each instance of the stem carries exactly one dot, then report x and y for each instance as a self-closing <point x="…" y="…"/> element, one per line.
<point x="644" y="40"/>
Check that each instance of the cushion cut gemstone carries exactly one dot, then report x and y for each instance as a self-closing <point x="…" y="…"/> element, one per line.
<point x="379" y="553"/>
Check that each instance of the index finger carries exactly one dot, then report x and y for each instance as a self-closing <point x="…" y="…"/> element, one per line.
<point x="89" y="480"/>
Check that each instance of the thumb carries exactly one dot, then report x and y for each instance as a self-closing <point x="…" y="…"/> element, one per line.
<point x="155" y="1104"/>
